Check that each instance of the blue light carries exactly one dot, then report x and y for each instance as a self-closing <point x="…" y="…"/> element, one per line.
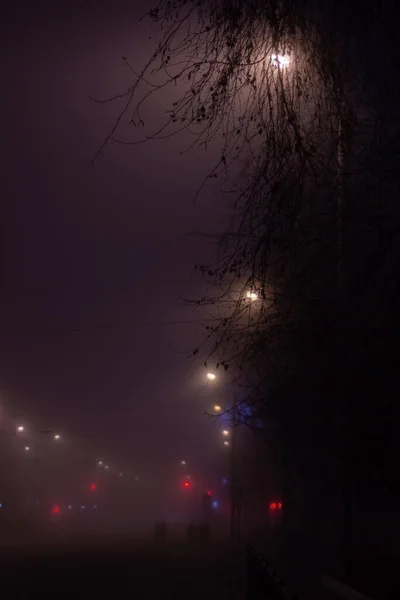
<point x="224" y="481"/>
<point x="1" y="505"/>
<point x="215" y="504"/>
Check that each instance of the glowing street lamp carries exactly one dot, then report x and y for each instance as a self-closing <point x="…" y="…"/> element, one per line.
<point x="252" y="295"/>
<point x="57" y="437"/>
<point x="226" y="443"/>
<point x="281" y="60"/>
<point x="217" y="408"/>
<point x="183" y="463"/>
<point x="26" y="448"/>
<point x="225" y="432"/>
<point x="100" y="463"/>
<point x="211" y="376"/>
<point x="20" y="428"/>
<point x="106" y="467"/>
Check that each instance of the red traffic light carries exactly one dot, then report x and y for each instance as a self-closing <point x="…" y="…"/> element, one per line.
<point x="55" y="510"/>
<point x="93" y="487"/>
<point x="275" y="505"/>
<point x="186" y="485"/>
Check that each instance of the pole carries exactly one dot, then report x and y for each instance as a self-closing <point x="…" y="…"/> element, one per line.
<point x="233" y="485"/>
<point x="343" y="421"/>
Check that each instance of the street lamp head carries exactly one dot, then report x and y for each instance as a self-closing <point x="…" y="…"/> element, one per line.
<point x="211" y="376"/>
<point x="217" y="408"/>
<point x="183" y="463"/>
<point x="57" y="437"/>
<point x="252" y="295"/>
<point x="26" y="448"/>
<point x="281" y="60"/>
<point x="106" y="467"/>
<point x="20" y="428"/>
<point x="225" y="432"/>
<point x="226" y="443"/>
<point x="100" y="463"/>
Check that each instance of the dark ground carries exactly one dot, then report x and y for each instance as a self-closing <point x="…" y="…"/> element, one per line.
<point x="119" y="567"/>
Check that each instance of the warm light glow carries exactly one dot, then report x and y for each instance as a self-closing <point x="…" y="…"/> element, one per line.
<point x="120" y="474"/>
<point x="57" y="436"/>
<point x="211" y="376"/>
<point x="183" y="463"/>
<point x="26" y="448"/>
<point x="225" y="432"/>
<point x="281" y="60"/>
<point x="252" y="295"/>
<point x="217" y="408"/>
<point x="100" y="463"/>
<point x="20" y="428"/>
<point x="226" y="443"/>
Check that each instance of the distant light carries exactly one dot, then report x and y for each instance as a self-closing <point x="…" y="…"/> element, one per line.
<point x="55" y="510"/>
<point x="211" y="376"/>
<point x="93" y="487"/>
<point x="69" y="506"/>
<point x="57" y="436"/>
<point x="183" y="463"/>
<point x="226" y="443"/>
<point x="26" y="448"/>
<point x="100" y="463"/>
<point x="279" y="505"/>
<point x="20" y="428"/>
<point x="275" y="505"/>
<point x="186" y="485"/>
<point x="83" y="506"/>
<point x="209" y="493"/>
<point x="136" y="478"/>
<point x="281" y="60"/>
<point x="120" y="474"/>
<point x="106" y="467"/>
<point x="225" y="432"/>
<point x="252" y="295"/>
<point x="217" y="408"/>
<point x="94" y="505"/>
<point x="215" y="504"/>
<point x="1" y="505"/>
<point x="224" y="481"/>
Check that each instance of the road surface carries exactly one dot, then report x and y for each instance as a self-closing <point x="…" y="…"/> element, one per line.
<point x="121" y="568"/>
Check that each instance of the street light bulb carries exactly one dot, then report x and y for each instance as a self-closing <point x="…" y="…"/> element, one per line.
<point x="225" y="432"/>
<point x="281" y="60"/>
<point x="57" y="436"/>
<point x="226" y="443"/>
<point x="26" y="448"/>
<point x="106" y="467"/>
<point x="100" y="463"/>
<point x="211" y="376"/>
<point x="252" y="295"/>
<point x="183" y="463"/>
<point x="20" y="428"/>
<point x="217" y="408"/>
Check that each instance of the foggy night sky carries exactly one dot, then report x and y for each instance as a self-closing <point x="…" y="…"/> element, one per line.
<point x="88" y="247"/>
